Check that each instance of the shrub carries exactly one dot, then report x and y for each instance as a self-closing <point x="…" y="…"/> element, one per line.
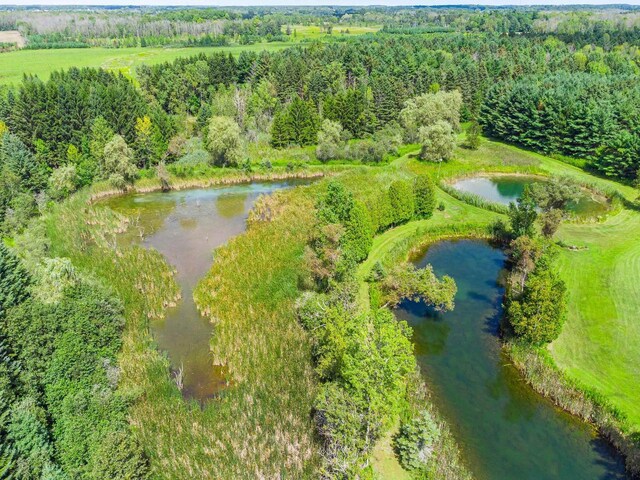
<point x="414" y="442"/>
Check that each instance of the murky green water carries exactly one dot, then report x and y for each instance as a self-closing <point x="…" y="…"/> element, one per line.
<point x="506" y="189"/>
<point x="186" y="226"/>
<point x="506" y="430"/>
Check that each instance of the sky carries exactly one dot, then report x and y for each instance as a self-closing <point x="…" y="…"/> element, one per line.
<point x="225" y="3"/>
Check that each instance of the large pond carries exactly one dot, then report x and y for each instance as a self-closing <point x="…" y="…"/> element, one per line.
<point x="186" y="226"/>
<point x="505" y="189"/>
<point x="505" y="429"/>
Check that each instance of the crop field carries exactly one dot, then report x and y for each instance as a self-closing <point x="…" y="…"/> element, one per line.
<point x="302" y="32"/>
<point x="13" y="65"/>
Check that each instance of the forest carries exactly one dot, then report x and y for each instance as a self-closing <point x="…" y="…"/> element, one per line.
<point x="385" y="111"/>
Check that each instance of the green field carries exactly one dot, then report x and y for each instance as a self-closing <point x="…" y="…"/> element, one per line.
<point x="13" y="65"/>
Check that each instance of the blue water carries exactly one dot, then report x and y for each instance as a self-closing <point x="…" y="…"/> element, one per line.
<point x="505" y="429"/>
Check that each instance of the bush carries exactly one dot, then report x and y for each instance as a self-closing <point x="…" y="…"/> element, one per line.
<point x="414" y="442"/>
<point x="424" y="196"/>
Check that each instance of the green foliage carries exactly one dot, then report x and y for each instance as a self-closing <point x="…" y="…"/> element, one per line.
<point x="118" y="167"/>
<point x="472" y="139"/>
<point x="414" y="442"/>
<point x="402" y="201"/>
<point x="430" y="109"/>
<point x="406" y="282"/>
<point x="336" y="205"/>
<point x="330" y="142"/>
<point x="538" y="313"/>
<point x="63" y="181"/>
<point x="14" y="280"/>
<point x="365" y="360"/>
<point x="297" y="124"/>
<point x="581" y="115"/>
<point x="353" y="109"/>
<point x="550" y="221"/>
<point x="424" y="193"/>
<point x="556" y="193"/>
<point x="523" y="215"/>
<point x="224" y="142"/>
<point x="28" y="433"/>
<point x="437" y="141"/>
<point x="119" y="456"/>
<point x="358" y="236"/>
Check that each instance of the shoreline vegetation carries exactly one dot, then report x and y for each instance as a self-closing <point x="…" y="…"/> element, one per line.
<point x="418" y="234"/>
<point x="138" y="349"/>
<point x="372" y="113"/>
<point x="407" y="240"/>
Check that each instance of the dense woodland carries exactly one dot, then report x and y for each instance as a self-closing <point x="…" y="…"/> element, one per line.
<point x="563" y="83"/>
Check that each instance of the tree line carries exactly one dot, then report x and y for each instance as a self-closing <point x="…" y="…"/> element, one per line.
<point x="584" y="115"/>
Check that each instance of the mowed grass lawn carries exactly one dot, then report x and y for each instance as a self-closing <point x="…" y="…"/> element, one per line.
<point x="13" y="65"/>
<point x="600" y="343"/>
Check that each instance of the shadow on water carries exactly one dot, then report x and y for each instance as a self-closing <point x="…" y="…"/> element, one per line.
<point x="506" y="430"/>
<point x="186" y="226"/>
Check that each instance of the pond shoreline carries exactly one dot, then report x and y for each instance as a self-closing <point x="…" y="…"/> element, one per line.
<point x="420" y="251"/>
<point x="177" y="183"/>
<point x="544" y="376"/>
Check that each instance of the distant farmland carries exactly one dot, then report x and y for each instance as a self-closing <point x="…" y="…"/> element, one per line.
<point x="12" y="36"/>
<point x="13" y="65"/>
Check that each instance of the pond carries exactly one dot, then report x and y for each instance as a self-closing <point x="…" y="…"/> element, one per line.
<point x="505" y="429"/>
<point x="186" y="226"/>
<point x="505" y="189"/>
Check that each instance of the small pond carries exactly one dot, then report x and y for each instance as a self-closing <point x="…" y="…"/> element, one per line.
<point x="505" y="189"/>
<point x="505" y="429"/>
<point x="186" y="226"/>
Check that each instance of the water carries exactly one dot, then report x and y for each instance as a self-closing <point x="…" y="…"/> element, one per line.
<point x="505" y="189"/>
<point x="186" y="226"/>
<point x="505" y="429"/>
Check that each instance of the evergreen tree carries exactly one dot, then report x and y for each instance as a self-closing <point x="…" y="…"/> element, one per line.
<point x="402" y="201"/>
<point x="424" y="196"/>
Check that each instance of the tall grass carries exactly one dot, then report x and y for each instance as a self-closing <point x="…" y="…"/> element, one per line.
<point x="260" y="427"/>
<point x="473" y="199"/>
